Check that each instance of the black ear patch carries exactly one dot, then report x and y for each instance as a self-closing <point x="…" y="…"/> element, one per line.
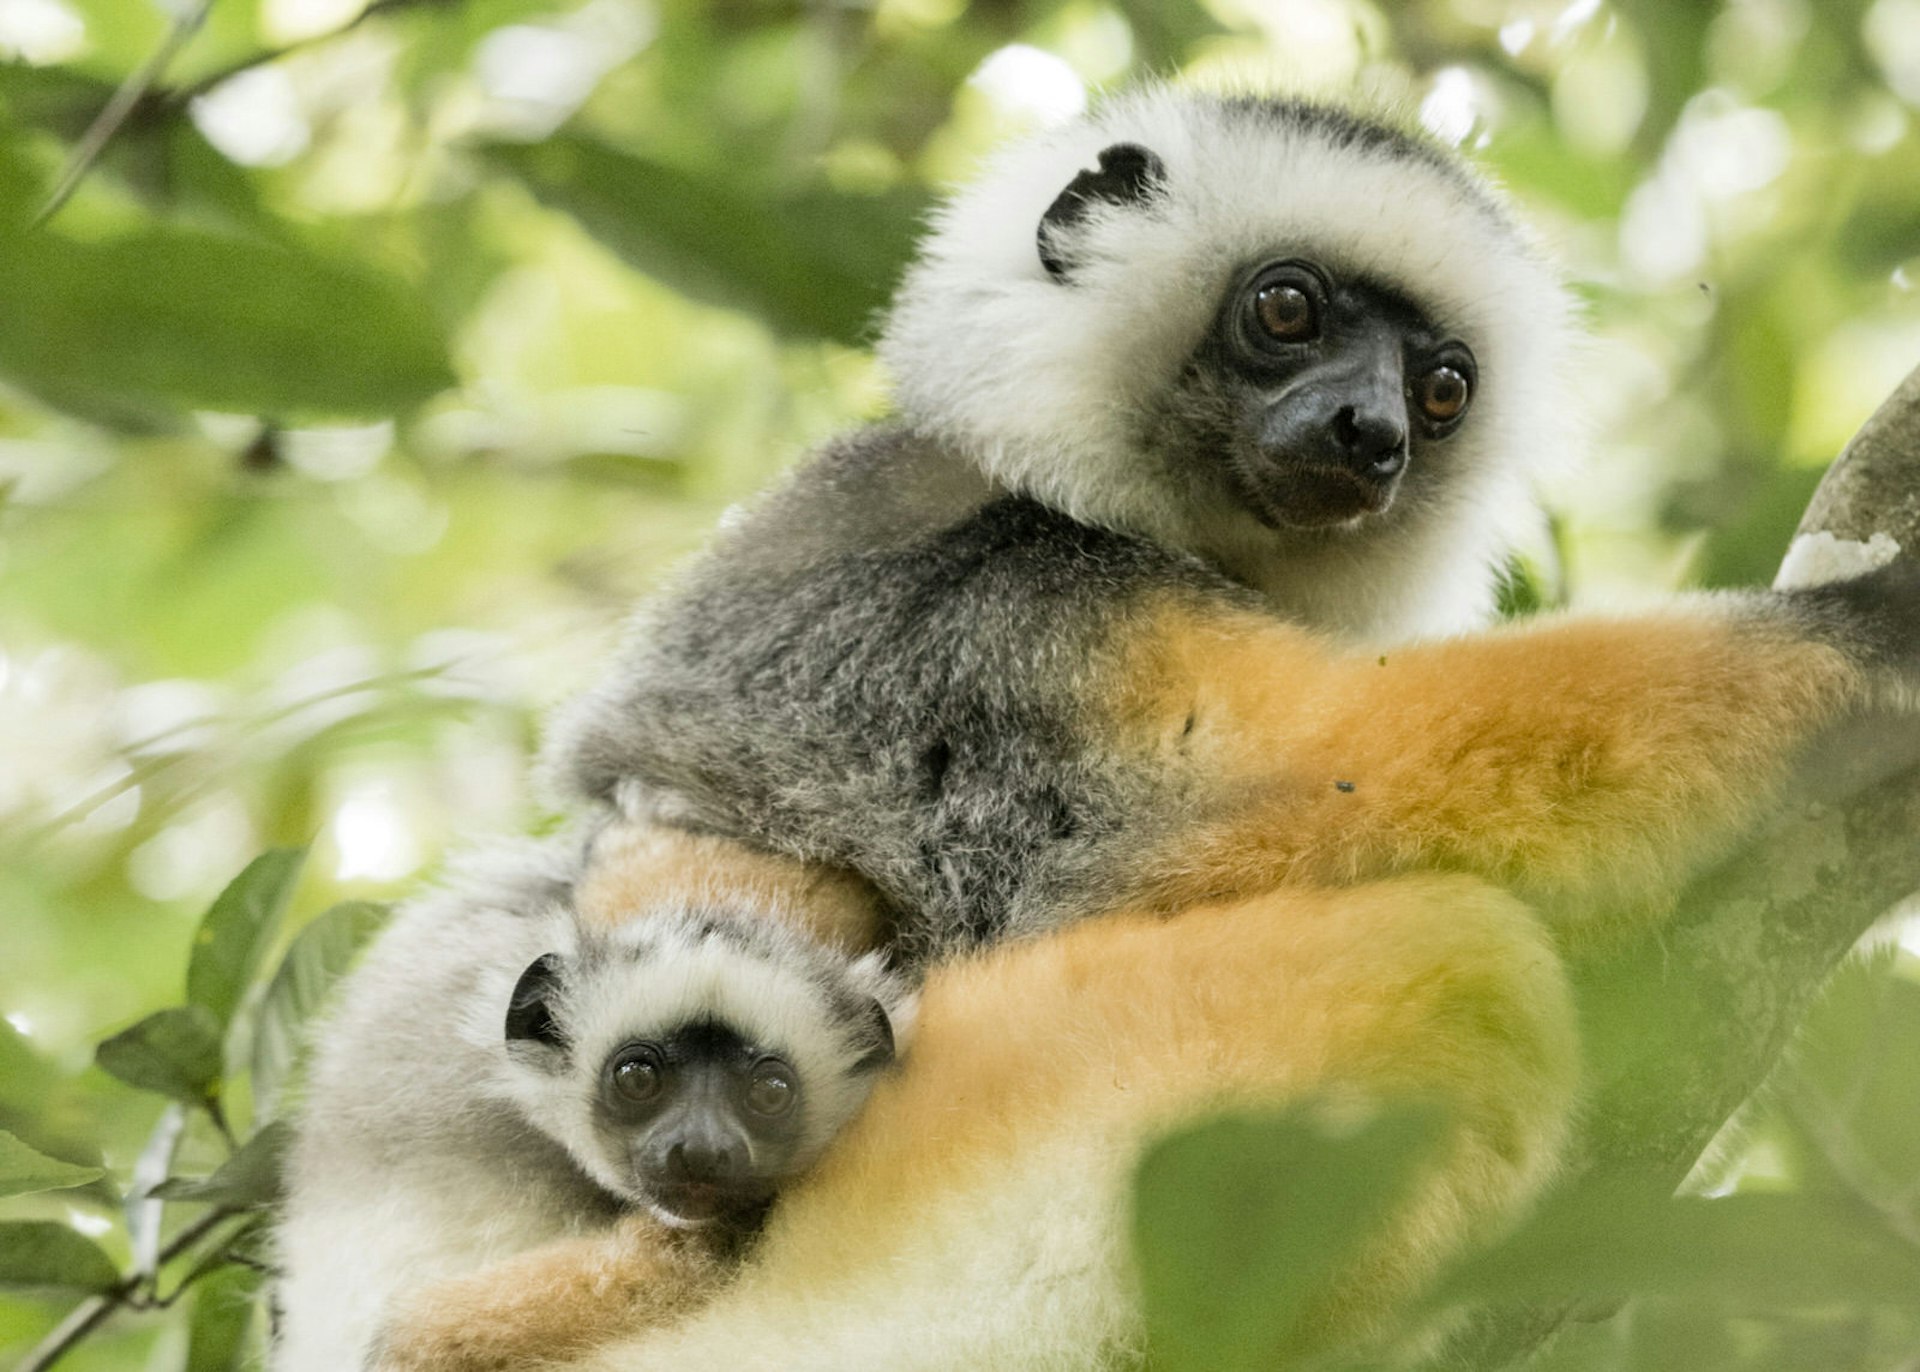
<point x="529" y="1017"/>
<point x="1128" y="173"/>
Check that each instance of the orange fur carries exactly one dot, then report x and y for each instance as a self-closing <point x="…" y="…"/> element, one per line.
<point x="1136" y="1018"/>
<point x="1435" y="986"/>
<point x="1587" y="764"/>
<point x="637" y="865"/>
<point x="549" y="1304"/>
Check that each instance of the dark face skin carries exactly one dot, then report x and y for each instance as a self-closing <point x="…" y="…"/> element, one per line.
<point x="1318" y="396"/>
<point x="706" y="1123"/>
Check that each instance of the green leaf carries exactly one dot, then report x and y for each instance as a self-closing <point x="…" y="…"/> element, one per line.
<point x="1240" y="1224"/>
<point x="120" y="36"/>
<point x="54" y="98"/>
<point x="1749" y="528"/>
<point x="1522" y="589"/>
<point x="43" y="1255"/>
<point x="24" y="1170"/>
<point x="439" y="39"/>
<point x="1849" y="1089"/>
<point x="241" y="922"/>
<point x="318" y="957"/>
<point x="1164" y="35"/>
<point x="223" y="1315"/>
<point x="173" y="1052"/>
<point x="815" y="263"/>
<point x="1620" y="1235"/>
<point x="249" y="1180"/>
<point x="188" y="320"/>
<point x="26" y="1077"/>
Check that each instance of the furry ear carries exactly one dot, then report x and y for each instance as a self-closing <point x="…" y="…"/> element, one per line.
<point x="529" y="1015"/>
<point x="1128" y="174"/>
<point x="882" y="1050"/>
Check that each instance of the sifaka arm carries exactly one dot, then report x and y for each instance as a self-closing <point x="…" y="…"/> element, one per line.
<point x="635" y="862"/>
<point x="1587" y="764"/>
<point x="550" y="1303"/>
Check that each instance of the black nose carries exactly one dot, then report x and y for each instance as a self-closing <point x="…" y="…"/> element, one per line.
<point x="1371" y="442"/>
<point x="703" y="1160"/>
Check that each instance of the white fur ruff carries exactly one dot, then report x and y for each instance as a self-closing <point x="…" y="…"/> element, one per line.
<point x="1036" y="380"/>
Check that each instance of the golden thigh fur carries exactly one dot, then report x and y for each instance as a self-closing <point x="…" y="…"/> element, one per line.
<point x="1098" y="1037"/>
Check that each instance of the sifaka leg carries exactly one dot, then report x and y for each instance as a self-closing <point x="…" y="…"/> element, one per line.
<point x="974" y="1215"/>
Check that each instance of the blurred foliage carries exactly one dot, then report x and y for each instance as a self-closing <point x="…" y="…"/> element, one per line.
<point x="191" y="1218"/>
<point x="386" y="350"/>
<point x="1802" y="1256"/>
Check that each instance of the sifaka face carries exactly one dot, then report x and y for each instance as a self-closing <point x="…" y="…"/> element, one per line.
<point x="1315" y="394"/>
<point x="692" y="1065"/>
<point x="703" y="1123"/>
<point x="1318" y="396"/>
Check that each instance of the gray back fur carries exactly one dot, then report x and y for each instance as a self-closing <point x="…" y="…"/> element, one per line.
<point x="887" y="663"/>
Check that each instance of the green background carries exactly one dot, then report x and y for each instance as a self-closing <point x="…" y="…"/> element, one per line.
<point x="382" y="357"/>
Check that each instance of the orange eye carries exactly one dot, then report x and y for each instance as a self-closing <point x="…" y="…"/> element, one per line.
<point x="1286" y="313"/>
<point x="1443" y="394"/>
<point x="636" y="1075"/>
<point x="770" y="1089"/>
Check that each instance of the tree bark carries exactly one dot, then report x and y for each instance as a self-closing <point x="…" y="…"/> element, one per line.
<point x="1684" y="1025"/>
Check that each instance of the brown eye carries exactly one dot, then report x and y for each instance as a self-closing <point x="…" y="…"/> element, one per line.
<point x="1443" y="394"/>
<point x="636" y="1074"/>
<point x="1286" y="313"/>
<point x="770" y="1091"/>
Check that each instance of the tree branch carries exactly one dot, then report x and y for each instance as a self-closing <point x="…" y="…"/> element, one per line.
<point x="93" y="1312"/>
<point x="179" y="96"/>
<point x="107" y="123"/>
<point x="1686" y="1024"/>
<point x="144" y="94"/>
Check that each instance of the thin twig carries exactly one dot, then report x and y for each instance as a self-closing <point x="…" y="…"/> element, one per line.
<point x="145" y="82"/>
<point x="219" y="1118"/>
<point x="147" y="769"/>
<point x="107" y="123"/>
<point x="91" y="1313"/>
<point x="272" y="55"/>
